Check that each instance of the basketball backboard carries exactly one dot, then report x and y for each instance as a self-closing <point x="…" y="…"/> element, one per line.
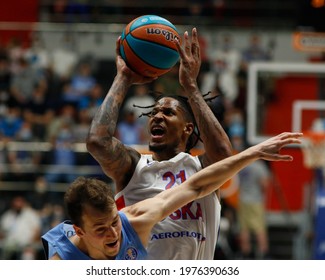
<point x="274" y="89"/>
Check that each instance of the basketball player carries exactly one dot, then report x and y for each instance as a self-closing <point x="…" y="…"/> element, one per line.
<point x="100" y="231"/>
<point x="172" y="126"/>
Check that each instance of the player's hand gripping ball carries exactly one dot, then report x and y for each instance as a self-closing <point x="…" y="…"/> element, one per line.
<point x="148" y="45"/>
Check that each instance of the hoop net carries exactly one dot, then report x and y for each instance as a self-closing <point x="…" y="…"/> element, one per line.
<point x="313" y="148"/>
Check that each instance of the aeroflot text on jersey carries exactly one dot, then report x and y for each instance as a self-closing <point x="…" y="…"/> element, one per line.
<point x="177" y="234"/>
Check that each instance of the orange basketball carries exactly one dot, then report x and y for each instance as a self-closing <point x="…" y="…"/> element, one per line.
<point x="148" y="45"/>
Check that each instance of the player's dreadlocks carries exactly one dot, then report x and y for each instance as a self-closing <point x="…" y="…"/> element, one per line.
<point x="184" y="104"/>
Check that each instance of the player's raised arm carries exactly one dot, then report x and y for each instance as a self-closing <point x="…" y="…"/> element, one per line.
<point x="212" y="177"/>
<point x="215" y="140"/>
<point x="116" y="160"/>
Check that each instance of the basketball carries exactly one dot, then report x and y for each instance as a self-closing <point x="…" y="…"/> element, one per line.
<point x="148" y="45"/>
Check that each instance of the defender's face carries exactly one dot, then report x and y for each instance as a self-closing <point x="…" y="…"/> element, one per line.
<point x="166" y="124"/>
<point x="102" y="232"/>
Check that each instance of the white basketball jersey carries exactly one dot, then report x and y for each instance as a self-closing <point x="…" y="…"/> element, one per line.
<point x="191" y="231"/>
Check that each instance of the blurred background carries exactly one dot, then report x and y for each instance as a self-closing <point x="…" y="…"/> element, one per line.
<point x="264" y="58"/>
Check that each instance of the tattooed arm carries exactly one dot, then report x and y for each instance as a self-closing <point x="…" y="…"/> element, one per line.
<point x="117" y="160"/>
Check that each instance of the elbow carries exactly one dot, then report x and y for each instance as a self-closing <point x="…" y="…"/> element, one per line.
<point x="91" y="143"/>
<point x="94" y="143"/>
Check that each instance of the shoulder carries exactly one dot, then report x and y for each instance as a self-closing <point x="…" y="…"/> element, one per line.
<point x="139" y="213"/>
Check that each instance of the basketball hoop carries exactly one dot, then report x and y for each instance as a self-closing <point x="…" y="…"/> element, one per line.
<point x="313" y="148"/>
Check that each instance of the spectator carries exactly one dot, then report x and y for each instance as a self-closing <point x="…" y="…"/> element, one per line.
<point x="39" y="112"/>
<point x="254" y="180"/>
<point x="78" y="11"/>
<point x="37" y="55"/>
<point x="63" y="158"/>
<point x="39" y="196"/>
<point x="11" y="124"/>
<point x="5" y="80"/>
<point x="225" y="63"/>
<point x="24" y="82"/>
<point x="66" y="114"/>
<point x="20" y="228"/>
<point x="51" y="215"/>
<point x="64" y="58"/>
<point x="24" y="163"/>
<point x="138" y="103"/>
<point x="10" y="127"/>
<point x="58" y="10"/>
<point x="129" y="131"/>
<point x="254" y="52"/>
<point x="235" y="127"/>
<point x="92" y="101"/>
<point x="81" y="128"/>
<point x="80" y="85"/>
<point x="54" y="89"/>
<point x="16" y="52"/>
<point x="139" y="100"/>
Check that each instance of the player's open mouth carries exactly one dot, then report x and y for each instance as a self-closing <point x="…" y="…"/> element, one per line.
<point x="157" y="132"/>
<point x="111" y="245"/>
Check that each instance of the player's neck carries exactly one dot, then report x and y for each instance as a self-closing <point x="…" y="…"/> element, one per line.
<point x="161" y="156"/>
<point x="165" y="152"/>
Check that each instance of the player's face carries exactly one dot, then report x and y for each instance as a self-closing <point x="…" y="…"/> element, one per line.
<point x="102" y="233"/>
<point x="166" y="125"/>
